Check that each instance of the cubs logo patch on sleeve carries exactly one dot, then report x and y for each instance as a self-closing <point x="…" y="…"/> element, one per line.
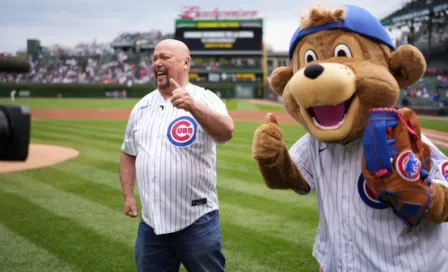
<point x="408" y="166"/>
<point x="444" y="169"/>
<point x="182" y="131"/>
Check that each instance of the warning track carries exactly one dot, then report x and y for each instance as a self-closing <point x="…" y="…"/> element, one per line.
<point x="438" y="137"/>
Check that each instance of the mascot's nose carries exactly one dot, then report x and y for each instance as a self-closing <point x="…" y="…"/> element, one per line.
<point x="313" y="71"/>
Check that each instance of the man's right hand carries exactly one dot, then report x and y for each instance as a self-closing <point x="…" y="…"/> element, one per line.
<point x="130" y="206"/>
<point x="268" y="141"/>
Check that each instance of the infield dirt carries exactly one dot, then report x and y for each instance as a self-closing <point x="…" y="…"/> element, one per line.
<point x="40" y="155"/>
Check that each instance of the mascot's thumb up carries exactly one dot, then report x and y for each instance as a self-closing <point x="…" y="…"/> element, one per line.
<point x="271" y="119"/>
<point x="268" y="141"/>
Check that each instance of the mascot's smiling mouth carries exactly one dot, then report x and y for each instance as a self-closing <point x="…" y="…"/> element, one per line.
<point x="326" y="94"/>
<point x="328" y="102"/>
<point x="328" y="117"/>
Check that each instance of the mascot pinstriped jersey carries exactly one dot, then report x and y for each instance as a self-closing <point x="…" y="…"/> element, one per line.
<point x="381" y="185"/>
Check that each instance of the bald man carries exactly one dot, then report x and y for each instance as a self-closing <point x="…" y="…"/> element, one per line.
<point x="169" y="147"/>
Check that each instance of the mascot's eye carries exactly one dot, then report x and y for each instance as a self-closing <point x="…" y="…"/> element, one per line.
<point x="342" y="50"/>
<point x="310" y="56"/>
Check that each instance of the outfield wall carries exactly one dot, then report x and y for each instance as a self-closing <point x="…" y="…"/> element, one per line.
<point x="227" y="90"/>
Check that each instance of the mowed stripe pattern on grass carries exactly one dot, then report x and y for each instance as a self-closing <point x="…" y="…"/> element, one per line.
<point x="69" y="217"/>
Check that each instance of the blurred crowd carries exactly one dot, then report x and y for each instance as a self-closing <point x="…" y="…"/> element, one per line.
<point x="106" y="67"/>
<point x="86" y="63"/>
<point x="103" y="65"/>
<point x="438" y="98"/>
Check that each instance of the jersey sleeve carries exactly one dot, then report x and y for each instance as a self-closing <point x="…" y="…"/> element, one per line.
<point x="129" y="145"/>
<point x="439" y="169"/>
<point x="301" y="154"/>
<point x="214" y="102"/>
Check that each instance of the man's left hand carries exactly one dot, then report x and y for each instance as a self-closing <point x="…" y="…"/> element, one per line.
<point x="181" y="98"/>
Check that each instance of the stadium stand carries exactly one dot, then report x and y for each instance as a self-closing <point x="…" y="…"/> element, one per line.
<point x="424" y="24"/>
<point x="127" y="58"/>
<point x="89" y="63"/>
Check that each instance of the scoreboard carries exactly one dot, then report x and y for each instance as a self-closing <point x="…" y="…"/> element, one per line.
<point x="226" y="77"/>
<point x="226" y="47"/>
<point x="222" y="37"/>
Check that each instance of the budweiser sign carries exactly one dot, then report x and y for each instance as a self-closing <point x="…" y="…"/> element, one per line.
<point x="192" y="13"/>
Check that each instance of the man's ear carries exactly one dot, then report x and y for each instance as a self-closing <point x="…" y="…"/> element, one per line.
<point x="407" y="64"/>
<point x="279" y="78"/>
<point x="188" y="62"/>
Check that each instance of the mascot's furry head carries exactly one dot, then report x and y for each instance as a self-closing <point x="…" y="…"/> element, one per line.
<point x="343" y="62"/>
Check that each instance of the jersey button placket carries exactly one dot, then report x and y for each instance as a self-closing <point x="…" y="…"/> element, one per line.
<point x="346" y="243"/>
<point x="162" y="113"/>
<point x="160" y="116"/>
<point x="348" y="204"/>
<point x="157" y="207"/>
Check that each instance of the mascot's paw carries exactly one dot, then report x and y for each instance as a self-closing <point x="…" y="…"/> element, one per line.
<point x="268" y="141"/>
<point x="393" y="163"/>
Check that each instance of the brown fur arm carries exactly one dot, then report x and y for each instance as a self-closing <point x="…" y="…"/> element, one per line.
<point x="272" y="156"/>
<point x="438" y="208"/>
<point x="283" y="173"/>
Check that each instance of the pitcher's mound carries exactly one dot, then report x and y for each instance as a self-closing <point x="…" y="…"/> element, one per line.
<point x="39" y="156"/>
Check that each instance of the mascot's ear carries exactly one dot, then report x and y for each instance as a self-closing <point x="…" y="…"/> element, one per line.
<point x="279" y="78"/>
<point x="407" y="64"/>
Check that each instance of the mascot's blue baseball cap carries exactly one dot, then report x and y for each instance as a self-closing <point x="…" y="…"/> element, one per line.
<point x="357" y="20"/>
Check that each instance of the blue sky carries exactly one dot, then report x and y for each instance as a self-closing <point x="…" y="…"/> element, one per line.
<point x="74" y="21"/>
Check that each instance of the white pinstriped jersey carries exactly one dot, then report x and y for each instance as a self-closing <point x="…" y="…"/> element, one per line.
<point x="176" y="160"/>
<point x="357" y="233"/>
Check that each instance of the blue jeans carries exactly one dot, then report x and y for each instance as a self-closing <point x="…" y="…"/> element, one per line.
<point x="198" y="247"/>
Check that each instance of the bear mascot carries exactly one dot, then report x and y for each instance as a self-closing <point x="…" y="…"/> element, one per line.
<point x="380" y="183"/>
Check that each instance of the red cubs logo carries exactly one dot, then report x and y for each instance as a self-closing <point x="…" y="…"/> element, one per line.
<point x="182" y="131"/>
<point x="408" y="166"/>
<point x="444" y="170"/>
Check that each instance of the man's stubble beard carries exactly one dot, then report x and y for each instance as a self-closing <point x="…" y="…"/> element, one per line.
<point x="165" y="86"/>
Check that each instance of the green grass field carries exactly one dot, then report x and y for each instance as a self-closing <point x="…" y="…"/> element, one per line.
<point x="69" y="217"/>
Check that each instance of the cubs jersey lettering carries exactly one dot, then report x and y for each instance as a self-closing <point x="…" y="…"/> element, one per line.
<point x="356" y="232"/>
<point x="175" y="160"/>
